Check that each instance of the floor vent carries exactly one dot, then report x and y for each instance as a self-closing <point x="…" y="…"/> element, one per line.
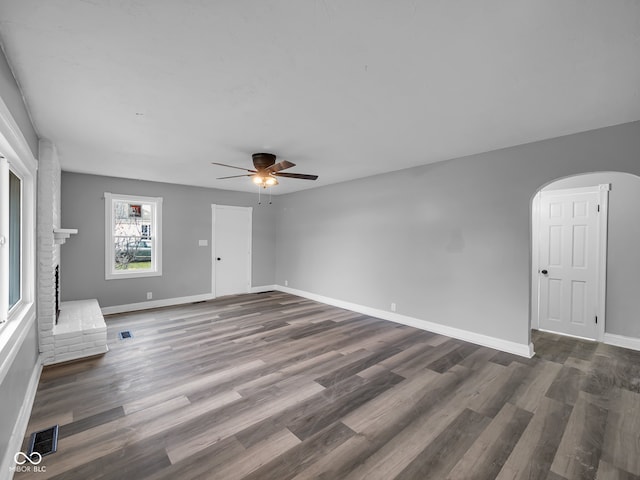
<point x="195" y="303"/>
<point x="44" y="442"/>
<point x="125" y="334"/>
<point x="267" y="291"/>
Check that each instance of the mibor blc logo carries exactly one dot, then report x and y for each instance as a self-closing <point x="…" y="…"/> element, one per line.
<point x="26" y="463"/>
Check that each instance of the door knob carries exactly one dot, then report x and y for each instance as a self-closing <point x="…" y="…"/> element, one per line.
<point x="218" y="259"/>
<point x="544" y="272"/>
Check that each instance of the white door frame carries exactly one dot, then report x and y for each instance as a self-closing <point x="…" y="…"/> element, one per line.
<point x="213" y="244"/>
<point x="601" y="248"/>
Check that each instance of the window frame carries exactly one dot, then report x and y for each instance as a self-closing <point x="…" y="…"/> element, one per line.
<point x="7" y="311"/>
<point x="156" y="237"/>
<point x="12" y="164"/>
<point x="17" y="324"/>
<point x="21" y="234"/>
<point x="4" y="240"/>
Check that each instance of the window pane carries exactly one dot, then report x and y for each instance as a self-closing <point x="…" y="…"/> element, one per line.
<point x="133" y="236"/>
<point x="15" y="197"/>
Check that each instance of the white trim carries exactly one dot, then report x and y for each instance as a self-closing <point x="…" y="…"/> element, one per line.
<point x="156" y="239"/>
<point x="213" y="245"/>
<point x="622" y="341"/>
<point x="4" y="241"/>
<point x="601" y="266"/>
<point x="14" y="444"/>
<point x="213" y="250"/>
<point x="603" y="228"/>
<point x="167" y="302"/>
<point x="508" y="346"/>
<point x="16" y="150"/>
<point x="263" y="288"/>
<point x="520" y="349"/>
<point x="535" y="261"/>
<point x="13" y="139"/>
<point x="13" y="341"/>
<point x="23" y="170"/>
<point x="576" y="190"/>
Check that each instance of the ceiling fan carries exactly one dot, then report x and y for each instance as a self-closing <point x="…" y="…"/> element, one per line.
<point x="266" y="170"/>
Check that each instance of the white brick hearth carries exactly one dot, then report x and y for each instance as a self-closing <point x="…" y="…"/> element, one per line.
<point x="80" y="332"/>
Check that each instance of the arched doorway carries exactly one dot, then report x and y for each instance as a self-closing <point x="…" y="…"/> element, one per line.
<point x="617" y="301"/>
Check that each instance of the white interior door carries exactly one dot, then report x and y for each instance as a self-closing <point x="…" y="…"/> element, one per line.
<point x="231" y="249"/>
<point x="568" y="263"/>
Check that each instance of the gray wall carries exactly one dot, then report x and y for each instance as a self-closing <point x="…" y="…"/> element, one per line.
<point x="13" y="385"/>
<point x="623" y="254"/>
<point x="12" y="97"/>
<point x="448" y="242"/>
<point x="186" y="218"/>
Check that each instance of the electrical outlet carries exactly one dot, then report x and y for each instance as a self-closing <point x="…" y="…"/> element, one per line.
<point x="393" y="307"/>
<point x="149" y="295"/>
<point x="286" y="283"/>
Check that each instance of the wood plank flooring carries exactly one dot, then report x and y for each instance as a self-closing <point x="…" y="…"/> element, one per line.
<point x="273" y="386"/>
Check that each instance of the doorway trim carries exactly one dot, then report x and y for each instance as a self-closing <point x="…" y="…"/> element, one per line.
<point x="601" y="248"/>
<point x="213" y="244"/>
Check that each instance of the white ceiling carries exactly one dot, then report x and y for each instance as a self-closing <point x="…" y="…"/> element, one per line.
<point x="157" y="89"/>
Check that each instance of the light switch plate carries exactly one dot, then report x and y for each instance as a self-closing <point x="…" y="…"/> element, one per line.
<point x="203" y="243"/>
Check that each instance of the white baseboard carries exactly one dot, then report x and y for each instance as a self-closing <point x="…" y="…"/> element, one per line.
<point x="20" y="427"/>
<point x="520" y="349"/>
<point x="263" y="288"/>
<point x="621" y="341"/>
<point x="167" y="302"/>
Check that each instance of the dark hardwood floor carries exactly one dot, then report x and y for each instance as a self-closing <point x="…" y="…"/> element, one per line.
<point x="273" y="386"/>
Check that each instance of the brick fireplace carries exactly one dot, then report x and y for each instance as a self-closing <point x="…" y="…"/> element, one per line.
<point x="66" y="330"/>
<point x="48" y="218"/>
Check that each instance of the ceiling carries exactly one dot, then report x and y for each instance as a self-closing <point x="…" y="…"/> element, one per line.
<point x="158" y="89"/>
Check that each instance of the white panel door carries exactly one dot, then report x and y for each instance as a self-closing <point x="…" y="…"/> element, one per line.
<point x="231" y="250"/>
<point x="568" y="262"/>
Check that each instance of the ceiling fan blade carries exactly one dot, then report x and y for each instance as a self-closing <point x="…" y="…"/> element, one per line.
<point x="233" y="166"/>
<point x="233" y="176"/>
<point x="279" y="166"/>
<point x="301" y="176"/>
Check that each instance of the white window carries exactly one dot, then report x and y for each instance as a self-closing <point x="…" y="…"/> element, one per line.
<point x="12" y="240"/>
<point x="15" y="234"/>
<point x="133" y="242"/>
<point x="18" y="169"/>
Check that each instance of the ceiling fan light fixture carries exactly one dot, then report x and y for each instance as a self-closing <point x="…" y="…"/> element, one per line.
<point x="264" y="180"/>
<point x="270" y="181"/>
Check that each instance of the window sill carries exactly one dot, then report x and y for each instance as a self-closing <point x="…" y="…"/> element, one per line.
<point x="131" y="274"/>
<point x="12" y="334"/>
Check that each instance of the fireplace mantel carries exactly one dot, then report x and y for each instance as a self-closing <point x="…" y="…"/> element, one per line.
<point x="60" y="235"/>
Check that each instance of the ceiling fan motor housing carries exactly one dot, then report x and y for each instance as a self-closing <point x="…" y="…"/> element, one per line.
<point x="263" y="160"/>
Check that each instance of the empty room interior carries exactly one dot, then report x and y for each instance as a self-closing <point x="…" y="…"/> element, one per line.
<point x="319" y="239"/>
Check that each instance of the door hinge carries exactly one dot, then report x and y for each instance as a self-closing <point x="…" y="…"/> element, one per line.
<point x="596" y="319"/>
<point x="598" y="208"/>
